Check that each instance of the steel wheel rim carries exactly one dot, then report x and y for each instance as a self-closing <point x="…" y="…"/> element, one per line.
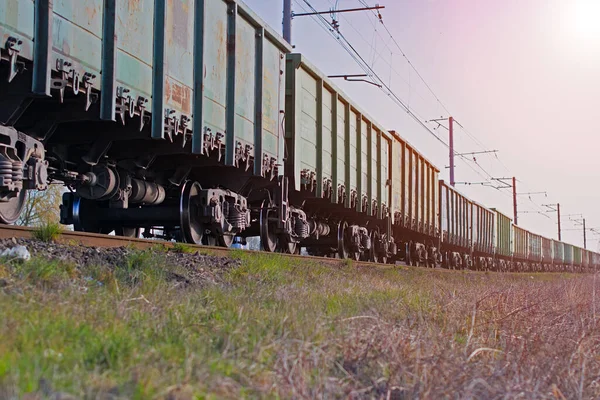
<point x="268" y="240"/>
<point x="191" y="228"/>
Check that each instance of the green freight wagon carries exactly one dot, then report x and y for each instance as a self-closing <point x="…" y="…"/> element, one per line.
<point x="568" y="255"/>
<point x="534" y="247"/>
<point x="415" y="189"/>
<point x="547" y="247"/>
<point x="503" y="240"/>
<point x="558" y="253"/>
<point x="577" y="257"/>
<point x="483" y="235"/>
<point x="456" y="212"/>
<point x="338" y="163"/>
<point x="415" y="201"/>
<point x="334" y="145"/>
<point x="520" y="244"/>
<point x="170" y="91"/>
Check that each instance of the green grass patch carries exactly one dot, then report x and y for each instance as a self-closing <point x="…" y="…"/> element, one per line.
<point x="48" y="231"/>
<point x="279" y="328"/>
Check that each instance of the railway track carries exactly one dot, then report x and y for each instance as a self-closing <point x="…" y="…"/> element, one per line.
<point x="107" y="241"/>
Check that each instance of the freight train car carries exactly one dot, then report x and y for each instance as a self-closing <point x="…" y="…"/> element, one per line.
<point x="339" y="168"/>
<point x="483" y="236"/>
<point x="547" y="247"/>
<point x="503" y="242"/>
<point x="455" y="222"/>
<point x="558" y="256"/>
<point x="577" y="258"/>
<point x="534" y="251"/>
<point x="155" y="113"/>
<point x="568" y="257"/>
<point x="520" y="249"/>
<point x="415" y="202"/>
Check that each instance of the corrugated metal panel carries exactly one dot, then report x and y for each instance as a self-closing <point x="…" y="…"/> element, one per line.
<point x="364" y="162"/>
<point x="558" y="252"/>
<point x="568" y="254"/>
<point x="534" y="245"/>
<point x="456" y="213"/>
<point x="482" y="233"/>
<point x="444" y="213"/>
<point x="327" y="137"/>
<point x="385" y="178"/>
<point x="352" y="148"/>
<point x="547" y="247"/>
<point x="520" y="242"/>
<point x="504" y="235"/>
<point x="577" y="256"/>
<point x="397" y="182"/>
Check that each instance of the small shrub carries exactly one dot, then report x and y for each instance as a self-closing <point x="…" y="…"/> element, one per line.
<point x="47" y="232"/>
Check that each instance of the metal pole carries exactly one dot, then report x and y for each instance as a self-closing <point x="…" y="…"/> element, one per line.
<point x="287" y="20"/>
<point x="558" y="212"/>
<point x="515" y="199"/>
<point x="584" y="238"/>
<point x="451" y="130"/>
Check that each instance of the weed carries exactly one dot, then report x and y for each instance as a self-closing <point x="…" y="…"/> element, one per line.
<point x="48" y="232"/>
<point x="182" y="248"/>
<point x="45" y="273"/>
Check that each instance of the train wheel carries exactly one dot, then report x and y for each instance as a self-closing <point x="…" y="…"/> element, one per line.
<point x="288" y="247"/>
<point x="11" y="210"/>
<point x="268" y="237"/>
<point x="191" y="228"/>
<point x="375" y="246"/>
<point x="343" y="247"/>
<point x="225" y="240"/>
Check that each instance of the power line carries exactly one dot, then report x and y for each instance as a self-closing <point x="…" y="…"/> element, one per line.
<point x="359" y="59"/>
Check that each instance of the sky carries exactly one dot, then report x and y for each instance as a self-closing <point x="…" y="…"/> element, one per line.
<point x="521" y="76"/>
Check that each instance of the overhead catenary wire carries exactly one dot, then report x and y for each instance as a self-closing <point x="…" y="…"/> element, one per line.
<point x="363" y="64"/>
<point x="334" y="30"/>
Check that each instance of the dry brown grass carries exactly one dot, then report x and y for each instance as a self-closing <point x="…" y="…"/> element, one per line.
<point x="279" y="329"/>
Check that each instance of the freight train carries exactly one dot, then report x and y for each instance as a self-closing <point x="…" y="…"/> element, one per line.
<point x="194" y="117"/>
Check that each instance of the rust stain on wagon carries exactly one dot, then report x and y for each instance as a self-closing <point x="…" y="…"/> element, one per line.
<point x="178" y="95"/>
<point x="134" y="5"/>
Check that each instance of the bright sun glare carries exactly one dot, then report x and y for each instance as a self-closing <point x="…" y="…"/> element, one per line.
<point x="587" y="19"/>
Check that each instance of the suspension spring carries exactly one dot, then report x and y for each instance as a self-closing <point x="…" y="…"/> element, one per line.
<point x="6" y="172"/>
<point x="17" y="171"/>
<point x="301" y="228"/>
<point x="237" y="217"/>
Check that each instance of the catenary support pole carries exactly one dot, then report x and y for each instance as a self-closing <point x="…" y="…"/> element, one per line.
<point x="451" y="146"/>
<point x="287" y="20"/>
<point x="558" y="213"/>
<point x="584" y="236"/>
<point x="515" y="199"/>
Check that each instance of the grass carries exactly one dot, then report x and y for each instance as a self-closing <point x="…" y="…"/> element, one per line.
<point x="48" y="231"/>
<point x="278" y="328"/>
